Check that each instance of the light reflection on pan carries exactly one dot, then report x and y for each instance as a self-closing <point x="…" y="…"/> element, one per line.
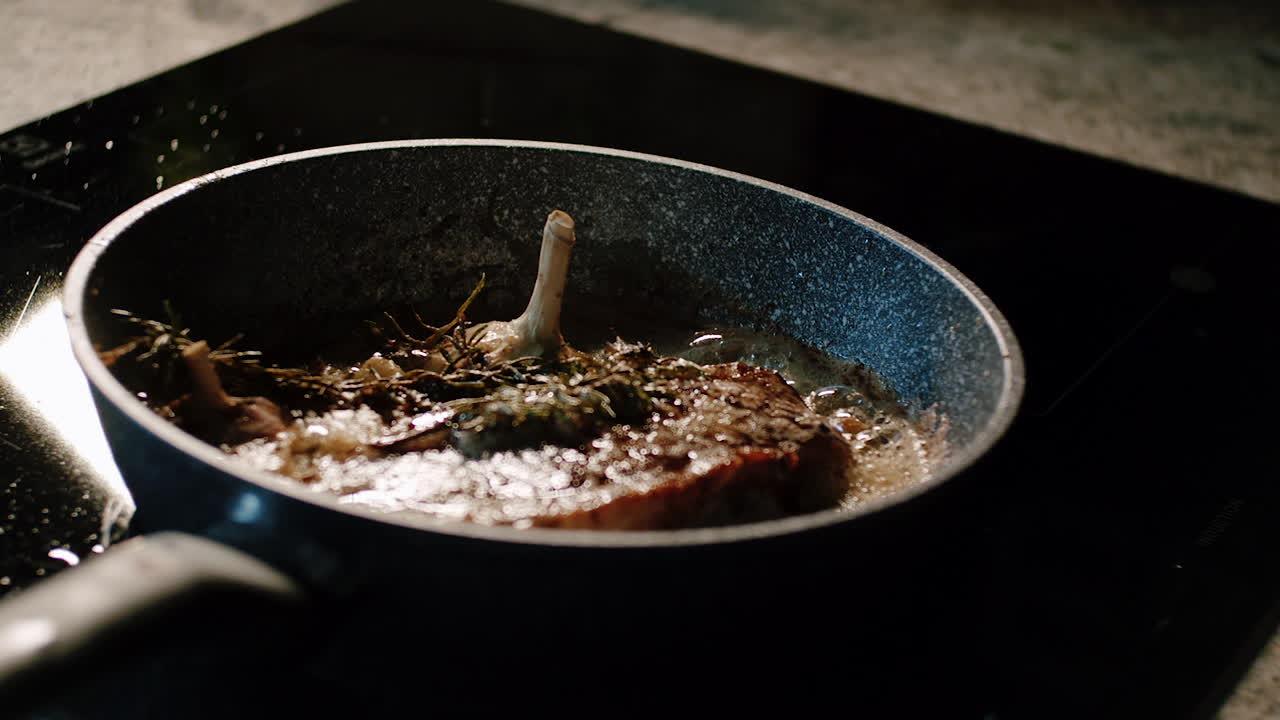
<point x="36" y="360"/>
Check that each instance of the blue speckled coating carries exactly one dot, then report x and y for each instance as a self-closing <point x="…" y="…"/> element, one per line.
<point x="292" y="241"/>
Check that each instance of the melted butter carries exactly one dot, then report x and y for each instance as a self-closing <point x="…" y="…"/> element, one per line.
<point x="892" y="451"/>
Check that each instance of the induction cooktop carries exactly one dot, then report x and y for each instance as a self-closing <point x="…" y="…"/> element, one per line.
<point x="1122" y="533"/>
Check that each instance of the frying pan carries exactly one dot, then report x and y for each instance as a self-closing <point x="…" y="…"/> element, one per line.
<point x="292" y="246"/>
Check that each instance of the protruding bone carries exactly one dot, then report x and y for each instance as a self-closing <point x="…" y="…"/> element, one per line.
<point x="206" y="386"/>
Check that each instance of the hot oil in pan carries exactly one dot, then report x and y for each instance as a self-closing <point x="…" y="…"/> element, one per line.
<point x="892" y="451"/>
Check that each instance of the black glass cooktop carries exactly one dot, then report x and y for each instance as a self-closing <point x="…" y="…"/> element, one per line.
<point x="1122" y="534"/>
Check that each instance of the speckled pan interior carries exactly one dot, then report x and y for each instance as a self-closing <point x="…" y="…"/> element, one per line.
<point x="295" y="245"/>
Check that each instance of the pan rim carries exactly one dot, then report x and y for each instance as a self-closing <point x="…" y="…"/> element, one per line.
<point x="76" y="285"/>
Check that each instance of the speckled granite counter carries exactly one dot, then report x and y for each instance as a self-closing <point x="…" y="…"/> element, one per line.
<point x="1193" y="91"/>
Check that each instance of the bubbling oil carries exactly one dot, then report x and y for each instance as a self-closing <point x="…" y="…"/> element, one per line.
<point x="892" y="451"/>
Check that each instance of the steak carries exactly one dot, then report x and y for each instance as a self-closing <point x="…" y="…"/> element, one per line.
<point x="740" y="446"/>
<point x="723" y="444"/>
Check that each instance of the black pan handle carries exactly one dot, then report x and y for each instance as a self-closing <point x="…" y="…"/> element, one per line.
<point x="64" y="618"/>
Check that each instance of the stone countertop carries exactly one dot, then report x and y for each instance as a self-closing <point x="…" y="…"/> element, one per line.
<point x="1191" y="89"/>
<point x="59" y="53"/>
<point x="1187" y="88"/>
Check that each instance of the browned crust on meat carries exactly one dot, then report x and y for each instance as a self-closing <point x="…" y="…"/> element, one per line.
<point x="792" y="462"/>
<point x="755" y="485"/>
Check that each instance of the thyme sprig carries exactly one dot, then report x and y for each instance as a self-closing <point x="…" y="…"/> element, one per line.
<point x="512" y="403"/>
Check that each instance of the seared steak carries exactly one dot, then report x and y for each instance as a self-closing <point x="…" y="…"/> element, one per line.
<point x="720" y="444"/>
